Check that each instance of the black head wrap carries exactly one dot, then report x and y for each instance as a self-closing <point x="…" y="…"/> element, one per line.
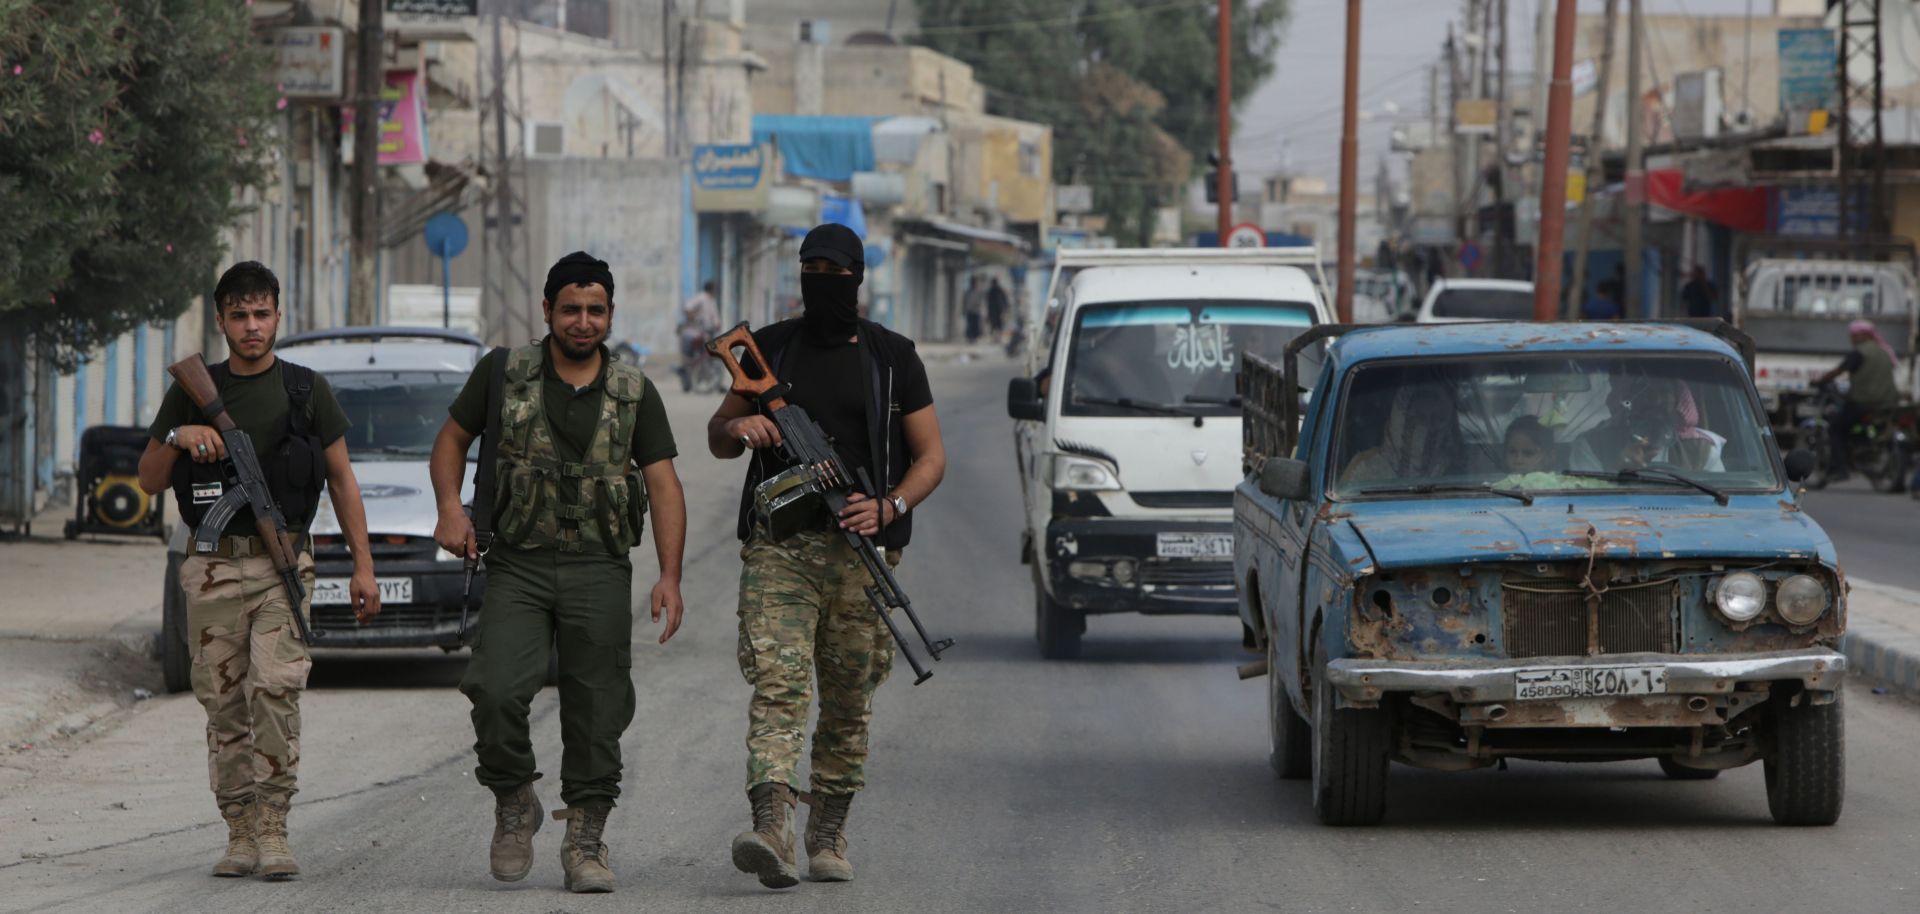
<point x="576" y="268"/>
<point x="832" y="300"/>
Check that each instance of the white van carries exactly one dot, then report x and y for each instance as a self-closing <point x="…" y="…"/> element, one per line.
<point x="1127" y="428"/>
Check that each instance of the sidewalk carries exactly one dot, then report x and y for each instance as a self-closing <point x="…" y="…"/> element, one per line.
<point x="92" y="588"/>
<point x="1882" y="642"/>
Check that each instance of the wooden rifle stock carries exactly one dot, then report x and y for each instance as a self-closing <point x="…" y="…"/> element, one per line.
<point x="723" y="348"/>
<point x="193" y="377"/>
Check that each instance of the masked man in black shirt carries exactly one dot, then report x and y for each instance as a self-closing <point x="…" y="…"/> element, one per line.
<point x="803" y="608"/>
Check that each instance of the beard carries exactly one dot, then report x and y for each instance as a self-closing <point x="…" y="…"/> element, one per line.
<point x="577" y="351"/>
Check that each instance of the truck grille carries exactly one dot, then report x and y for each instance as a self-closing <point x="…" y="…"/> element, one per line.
<point x="1186" y="574"/>
<point x="341" y="617"/>
<point x="1551" y="622"/>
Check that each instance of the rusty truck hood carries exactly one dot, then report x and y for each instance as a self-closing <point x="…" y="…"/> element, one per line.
<point x="1429" y="532"/>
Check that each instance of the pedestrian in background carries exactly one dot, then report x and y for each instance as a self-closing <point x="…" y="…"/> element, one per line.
<point x="249" y="664"/>
<point x="1701" y="296"/>
<point x="997" y="305"/>
<point x="804" y="613"/>
<point x="973" y="308"/>
<point x="583" y="450"/>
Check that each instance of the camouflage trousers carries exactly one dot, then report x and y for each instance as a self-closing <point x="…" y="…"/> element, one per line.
<point x="804" y="614"/>
<point x="248" y="669"/>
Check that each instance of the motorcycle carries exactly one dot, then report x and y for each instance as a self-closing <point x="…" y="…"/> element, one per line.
<point x="700" y="372"/>
<point x="1880" y="444"/>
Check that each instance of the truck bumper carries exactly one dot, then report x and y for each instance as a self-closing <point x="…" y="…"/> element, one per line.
<point x="1479" y="682"/>
<point x="1110" y="565"/>
<point x="430" y="619"/>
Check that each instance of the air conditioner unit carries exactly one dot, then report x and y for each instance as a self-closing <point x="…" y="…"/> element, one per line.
<point x="546" y="140"/>
<point x="813" y="31"/>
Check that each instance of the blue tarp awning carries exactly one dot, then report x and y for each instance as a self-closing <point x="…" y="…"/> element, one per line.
<point x="824" y="148"/>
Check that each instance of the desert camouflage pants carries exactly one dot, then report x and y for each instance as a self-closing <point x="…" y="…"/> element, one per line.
<point x="804" y="614"/>
<point x="248" y="669"/>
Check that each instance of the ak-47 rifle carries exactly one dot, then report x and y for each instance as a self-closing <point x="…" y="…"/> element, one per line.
<point x="806" y="446"/>
<point x="249" y="487"/>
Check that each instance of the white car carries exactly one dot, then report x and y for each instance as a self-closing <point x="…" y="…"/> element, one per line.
<point x="1453" y="300"/>
<point x="395" y="384"/>
<point x="1128" y="439"/>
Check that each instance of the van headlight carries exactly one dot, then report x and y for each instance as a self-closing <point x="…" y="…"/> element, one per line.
<point x="1084" y="474"/>
<point x="1741" y="596"/>
<point x="1801" y="600"/>
<point x="442" y="555"/>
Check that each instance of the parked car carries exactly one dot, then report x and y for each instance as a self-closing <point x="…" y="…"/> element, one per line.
<point x="1567" y="541"/>
<point x="1450" y="300"/>
<point x="1127" y="439"/>
<point x="395" y="384"/>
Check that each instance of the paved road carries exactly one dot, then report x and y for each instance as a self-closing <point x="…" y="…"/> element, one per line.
<point x="1873" y="531"/>
<point x="1134" y="779"/>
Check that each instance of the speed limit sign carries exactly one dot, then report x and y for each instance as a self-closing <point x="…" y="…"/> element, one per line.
<point x="1246" y="235"/>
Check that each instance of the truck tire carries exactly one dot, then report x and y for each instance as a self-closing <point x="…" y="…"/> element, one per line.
<point x="1057" y="627"/>
<point x="176" y="656"/>
<point x="1806" y="769"/>
<point x="1292" y="755"/>
<point x="1678" y="772"/>
<point x="1350" y="758"/>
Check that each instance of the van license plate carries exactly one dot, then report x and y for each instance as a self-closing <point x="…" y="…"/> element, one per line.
<point x="1195" y="546"/>
<point x="333" y="591"/>
<point x="1588" y="681"/>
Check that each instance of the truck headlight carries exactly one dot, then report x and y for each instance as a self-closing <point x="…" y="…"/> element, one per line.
<point x="1801" y="600"/>
<point x="1084" y="474"/>
<point x="1741" y="596"/>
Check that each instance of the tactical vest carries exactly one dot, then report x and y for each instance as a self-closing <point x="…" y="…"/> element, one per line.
<point x="294" y="462"/>
<point x="543" y="502"/>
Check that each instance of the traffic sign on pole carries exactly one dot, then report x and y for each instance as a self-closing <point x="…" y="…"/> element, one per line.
<point x="1245" y="235"/>
<point x="446" y="236"/>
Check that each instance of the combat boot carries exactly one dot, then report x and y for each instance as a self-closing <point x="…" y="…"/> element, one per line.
<point x="583" y="855"/>
<point x="243" y="855"/>
<point x="276" y="861"/>
<point x="827" y="838"/>
<point x="767" y="850"/>
<point x="516" y="817"/>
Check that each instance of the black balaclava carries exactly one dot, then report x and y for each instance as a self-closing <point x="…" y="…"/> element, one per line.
<point x="832" y="300"/>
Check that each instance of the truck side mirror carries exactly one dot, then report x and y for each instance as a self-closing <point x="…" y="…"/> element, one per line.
<point x="1023" y="400"/>
<point x="1284" y="478"/>
<point x="1800" y="464"/>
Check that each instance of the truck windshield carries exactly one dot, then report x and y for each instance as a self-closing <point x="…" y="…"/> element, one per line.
<point x="1484" y="304"/>
<point x="1172" y="357"/>
<point x="1539" y="424"/>
<point x="395" y="414"/>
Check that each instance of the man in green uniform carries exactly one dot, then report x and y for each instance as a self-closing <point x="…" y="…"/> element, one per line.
<point x="568" y="505"/>
<point x="1870" y="388"/>
<point x="249" y="664"/>
<point x="803" y="606"/>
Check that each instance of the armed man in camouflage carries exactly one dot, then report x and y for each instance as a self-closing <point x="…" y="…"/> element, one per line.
<point x="249" y="665"/>
<point x="584" y="449"/>
<point x="803" y="609"/>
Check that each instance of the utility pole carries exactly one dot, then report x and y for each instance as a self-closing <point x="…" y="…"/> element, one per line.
<point x="1349" y="164"/>
<point x="371" y="79"/>
<point x="1503" y="139"/>
<point x="1223" y="180"/>
<point x="1553" y="180"/>
<point x="1595" y="162"/>
<point x="1636" y="211"/>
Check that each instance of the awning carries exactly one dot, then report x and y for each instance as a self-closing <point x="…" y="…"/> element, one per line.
<point x="975" y="233"/>
<point x="823" y="148"/>
<point x="1743" y="209"/>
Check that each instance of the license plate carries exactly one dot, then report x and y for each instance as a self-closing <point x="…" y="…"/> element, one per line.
<point x="333" y="591"/>
<point x="1194" y="546"/>
<point x="1586" y="682"/>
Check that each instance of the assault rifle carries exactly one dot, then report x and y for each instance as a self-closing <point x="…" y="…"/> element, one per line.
<point x="248" y="487"/>
<point x="804" y="444"/>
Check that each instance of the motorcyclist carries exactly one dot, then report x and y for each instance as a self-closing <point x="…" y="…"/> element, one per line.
<point x="699" y="322"/>
<point x="1870" y="388"/>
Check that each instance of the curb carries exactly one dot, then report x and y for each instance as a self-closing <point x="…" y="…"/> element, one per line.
<point x="1879" y="650"/>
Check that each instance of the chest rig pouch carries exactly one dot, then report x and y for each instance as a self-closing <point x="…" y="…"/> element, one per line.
<point x="595" y="505"/>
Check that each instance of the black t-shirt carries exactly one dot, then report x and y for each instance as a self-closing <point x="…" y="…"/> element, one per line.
<point x="828" y="383"/>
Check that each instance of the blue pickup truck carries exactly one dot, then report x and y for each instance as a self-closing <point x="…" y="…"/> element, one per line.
<point x="1575" y="542"/>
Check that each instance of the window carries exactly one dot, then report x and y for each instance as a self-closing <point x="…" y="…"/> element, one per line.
<point x="1484" y="304"/>
<point x="1172" y="357"/>
<point x="395" y="414"/>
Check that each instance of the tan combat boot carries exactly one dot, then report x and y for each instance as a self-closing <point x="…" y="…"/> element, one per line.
<point x="827" y="838"/>
<point x="276" y="861"/>
<point x="243" y="855"/>
<point x="583" y="855"/>
<point x="516" y="816"/>
<point x="767" y="850"/>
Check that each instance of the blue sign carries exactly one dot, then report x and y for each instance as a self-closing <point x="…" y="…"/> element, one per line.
<point x="446" y="235"/>
<point x="1810" y="212"/>
<point x="728" y="167"/>
<point x="1809" y="70"/>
